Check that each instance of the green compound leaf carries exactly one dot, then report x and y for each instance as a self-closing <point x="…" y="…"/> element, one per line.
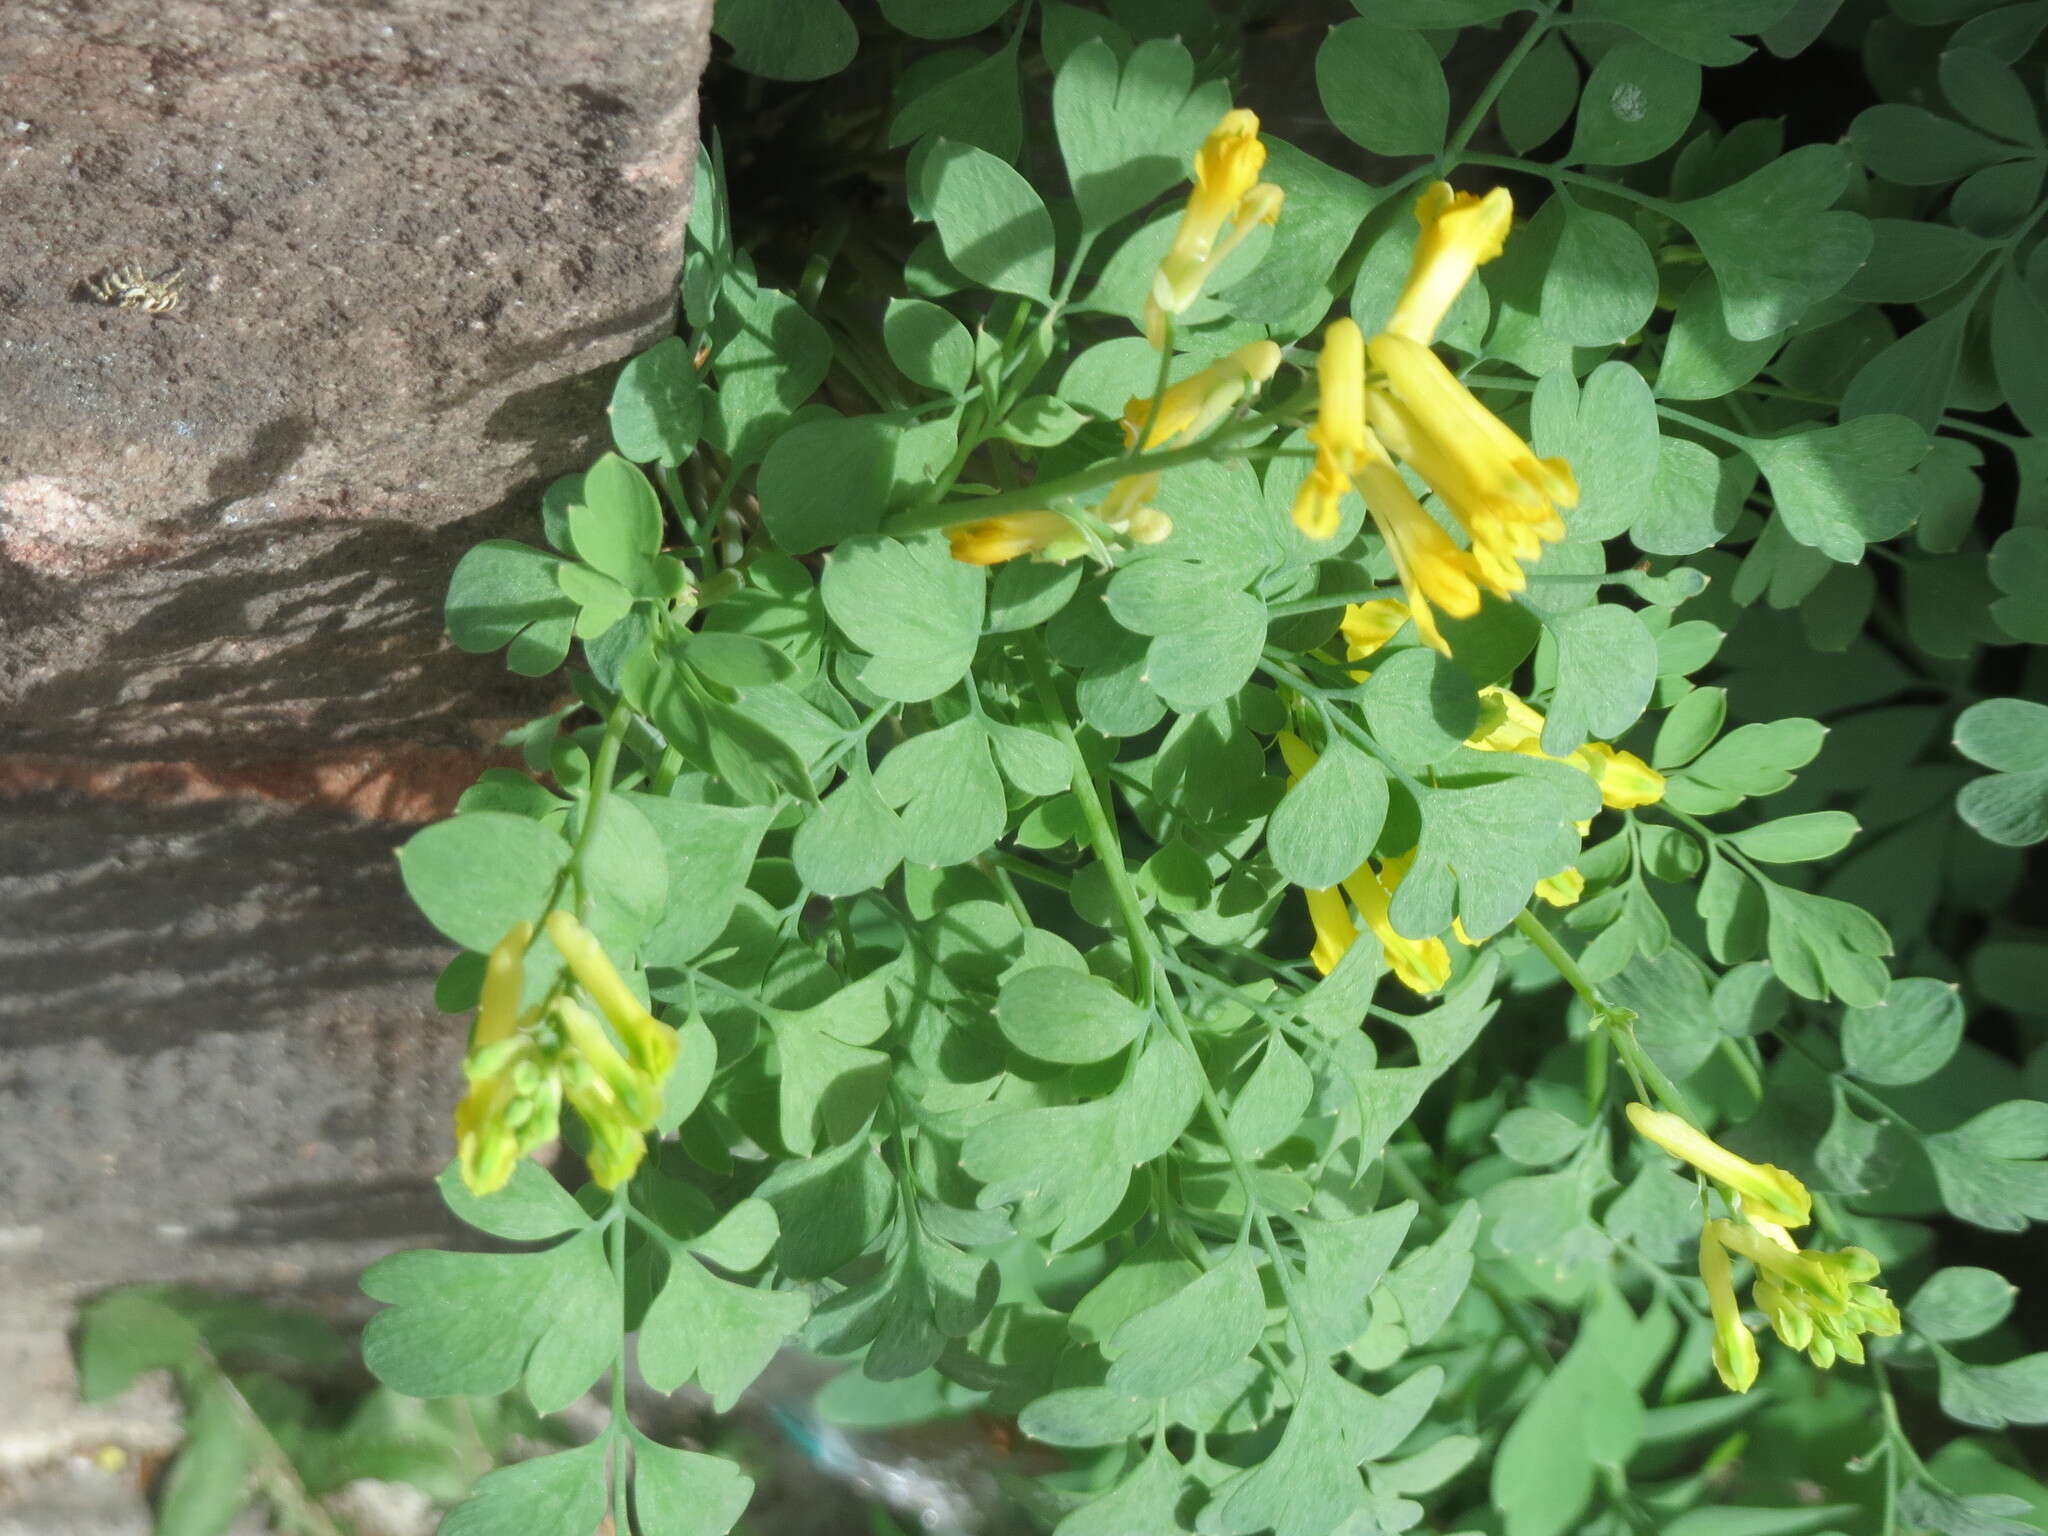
<point x="1821" y="947"/>
<point x="1484" y="848"/>
<point x="994" y="228"/>
<point x="1774" y="244"/>
<point x="978" y="105"/>
<point x="2019" y="321"/>
<point x="1608" y="432"/>
<point x="828" y="480"/>
<point x="1143" y="1504"/>
<point x="827" y="1084"/>
<point x="1907" y="1037"/>
<point x="1702" y="361"/>
<point x="1638" y="102"/>
<point x="2009" y="806"/>
<point x="1606" y="670"/>
<point x="1918" y="148"/>
<point x="471" y="1324"/>
<point x="769" y="355"/>
<point x="529" y="1209"/>
<point x="657" y="408"/>
<point x="1602" y="283"/>
<point x="1914" y="376"/>
<point x="2019" y="568"/>
<point x="1198" y="1333"/>
<point x="1327" y="823"/>
<point x="1911" y="261"/>
<point x="506" y="594"/>
<point x="1128" y="132"/>
<point x="1419" y="707"/>
<point x="852" y="844"/>
<point x="946" y="792"/>
<point x="928" y="344"/>
<point x="476" y="875"/>
<point x="928" y="1293"/>
<point x="1309" y="1485"/>
<point x="718" y="1333"/>
<point x="1062" y="1168"/>
<point x="1961" y="1303"/>
<point x="1210" y="659"/>
<point x="208" y="1484"/>
<point x="1064" y="1016"/>
<point x="831" y="1208"/>
<point x="787" y="39"/>
<point x="1383" y="88"/>
<point x="913" y="607"/>
<point x="1994" y="1396"/>
<point x="686" y="1493"/>
<point x="708" y="850"/>
<point x="541" y="1497"/>
<point x="1798" y="839"/>
<point x="1842" y="487"/>
<point x="1539" y="97"/>
<point x="1268" y="1108"/>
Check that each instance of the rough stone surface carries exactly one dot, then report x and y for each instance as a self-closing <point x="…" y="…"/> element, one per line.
<point x="417" y="239"/>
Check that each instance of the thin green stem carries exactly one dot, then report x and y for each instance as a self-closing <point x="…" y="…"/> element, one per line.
<point x="1220" y="444"/>
<point x="1469" y="124"/>
<point x="620" y="1450"/>
<point x="1557" y="174"/>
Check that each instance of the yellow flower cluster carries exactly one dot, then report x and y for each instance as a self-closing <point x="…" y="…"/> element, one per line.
<point x="1506" y="724"/>
<point x="1822" y="1303"/>
<point x="1391" y="397"/>
<point x="1227" y="192"/>
<point x="1183" y="413"/>
<point x="521" y="1066"/>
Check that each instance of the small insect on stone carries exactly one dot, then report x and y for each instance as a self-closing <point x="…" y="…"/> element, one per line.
<point x="129" y="287"/>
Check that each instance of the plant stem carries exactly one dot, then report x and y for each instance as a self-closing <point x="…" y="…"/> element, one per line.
<point x="616" y="1237"/>
<point x="1469" y="125"/>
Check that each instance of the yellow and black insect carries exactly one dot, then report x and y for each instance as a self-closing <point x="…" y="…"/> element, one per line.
<point x="129" y="287"/>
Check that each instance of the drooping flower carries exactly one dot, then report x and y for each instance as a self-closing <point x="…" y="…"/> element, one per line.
<point x="1509" y="724"/>
<point x="1503" y="496"/>
<point x="1227" y="191"/>
<point x="1431" y="567"/>
<point x="1188" y="409"/>
<point x="521" y="1067"/>
<point x="993" y="540"/>
<point x="1821" y="1303"/>
<point x="1412" y="408"/>
<point x="1735" y="1357"/>
<point x="1759" y="1190"/>
<point x="1365" y="896"/>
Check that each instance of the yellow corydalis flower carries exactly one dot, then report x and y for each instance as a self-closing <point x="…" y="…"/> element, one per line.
<point x="993" y="540"/>
<point x="1460" y="233"/>
<point x="1432" y="569"/>
<point x="1188" y="409"/>
<point x="1508" y="724"/>
<point x="1421" y="965"/>
<point x="1392" y="398"/>
<point x="1227" y="192"/>
<point x="1763" y="1191"/>
<point x="1735" y="1357"/>
<point x="521" y="1067"/>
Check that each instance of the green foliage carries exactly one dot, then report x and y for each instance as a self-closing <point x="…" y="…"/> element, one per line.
<point x="1013" y="1069"/>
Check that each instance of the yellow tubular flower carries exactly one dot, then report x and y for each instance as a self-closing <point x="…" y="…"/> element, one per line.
<point x="1335" y="932"/>
<point x="1768" y="1194"/>
<point x="1434" y="573"/>
<point x="1368" y="626"/>
<point x="513" y="1105"/>
<point x="636" y="1094"/>
<point x="1227" y="191"/>
<point x="1735" y="1357"/>
<point x="1420" y="965"/>
<point x="1198" y="402"/>
<point x="1822" y="1303"/>
<point x="992" y="540"/>
<point x="1507" y="723"/>
<point x="652" y="1044"/>
<point x="1460" y="232"/>
<point x="1340" y="433"/>
<point x="1504" y="497"/>
<point x="497" y="1013"/>
<point x="1562" y="889"/>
